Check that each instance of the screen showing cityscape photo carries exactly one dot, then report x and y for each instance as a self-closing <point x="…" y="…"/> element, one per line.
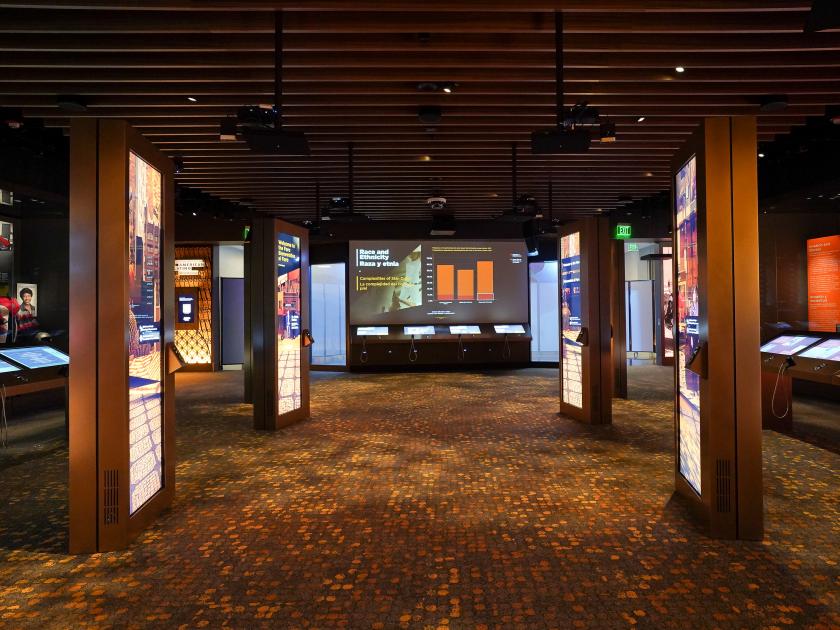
<point x="428" y="282"/>
<point x="288" y="323"/>
<point x="688" y="323"/>
<point x="145" y="360"/>
<point x="571" y="361"/>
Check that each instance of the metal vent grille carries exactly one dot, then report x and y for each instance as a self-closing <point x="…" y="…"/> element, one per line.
<point x="111" y="497"/>
<point x="723" y="486"/>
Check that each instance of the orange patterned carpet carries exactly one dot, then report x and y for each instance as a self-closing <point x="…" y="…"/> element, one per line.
<point x="428" y="501"/>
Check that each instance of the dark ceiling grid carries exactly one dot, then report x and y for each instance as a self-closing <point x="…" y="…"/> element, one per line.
<point x="351" y="72"/>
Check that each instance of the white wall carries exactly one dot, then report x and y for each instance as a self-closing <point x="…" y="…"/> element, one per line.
<point x="231" y="261"/>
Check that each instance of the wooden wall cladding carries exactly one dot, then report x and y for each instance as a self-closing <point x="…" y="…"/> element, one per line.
<point x="196" y="346"/>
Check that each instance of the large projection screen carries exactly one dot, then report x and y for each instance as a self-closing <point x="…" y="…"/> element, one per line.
<point x="427" y="282"/>
<point x="145" y="359"/>
<point x="688" y="323"/>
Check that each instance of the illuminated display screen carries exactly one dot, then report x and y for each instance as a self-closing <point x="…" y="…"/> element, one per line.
<point x="187" y="308"/>
<point x="35" y="357"/>
<point x="8" y="367"/>
<point x="426" y="282"/>
<point x="370" y="331"/>
<point x="145" y="359"/>
<point x="828" y="350"/>
<point x="789" y="344"/>
<point x="288" y="323"/>
<point x="419" y="330"/>
<point x="571" y="364"/>
<point x="688" y="323"/>
<point x="667" y="305"/>
<point x="464" y="330"/>
<point x="509" y="329"/>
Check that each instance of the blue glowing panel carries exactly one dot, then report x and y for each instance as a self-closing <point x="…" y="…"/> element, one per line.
<point x="36" y="357"/>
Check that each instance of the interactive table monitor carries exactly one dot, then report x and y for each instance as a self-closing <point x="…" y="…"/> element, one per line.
<point x="464" y="330"/>
<point x="36" y="357"/>
<point x="788" y="344"/>
<point x="828" y="350"/>
<point x="7" y="367"/>
<point x="370" y="331"/>
<point x="419" y="330"/>
<point x="509" y="329"/>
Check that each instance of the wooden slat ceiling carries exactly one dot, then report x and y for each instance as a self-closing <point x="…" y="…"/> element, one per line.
<point x="351" y="70"/>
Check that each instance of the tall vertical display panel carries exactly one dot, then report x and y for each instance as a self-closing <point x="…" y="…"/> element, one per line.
<point x="279" y="286"/>
<point x="122" y="460"/>
<point x="716" y="328"/>
<point x="584" y="257"/>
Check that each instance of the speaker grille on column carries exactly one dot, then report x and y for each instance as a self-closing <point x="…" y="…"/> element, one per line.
<point x="723" y="486"/>
<point x="111" y="497"/>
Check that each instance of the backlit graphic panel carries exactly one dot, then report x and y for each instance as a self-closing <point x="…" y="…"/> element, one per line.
<point x="288" y="323"/>
<point x="145" y="360"/>
<point x="571" y="366"/>
<point x="688" y="323"/>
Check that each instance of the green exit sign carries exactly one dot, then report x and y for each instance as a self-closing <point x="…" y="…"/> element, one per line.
<point x="623" y="230"/>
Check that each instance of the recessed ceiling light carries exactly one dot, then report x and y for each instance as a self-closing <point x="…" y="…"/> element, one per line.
<point x="192" y="99"/>
<point x="648" y="174"/>
<point x="425" y="158"/>
<point x="761" y="155"/>
<point x="640" y="119"/>
<point x="195" y="214"/>
<point x="448" y="90"/>
<point x="680" y="69"/>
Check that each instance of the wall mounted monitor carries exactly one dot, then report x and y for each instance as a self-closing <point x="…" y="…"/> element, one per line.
<point x="789" y="344"/>
<point x="371" y="331"/>
<point x="509" y="329"/>
<point x="419" y="330"/>
<point x="186" y="307"/>
<point x="7" y="367"/>
<point x="35" y="357"/>
<point x="429" y="282"/>
<point x="464" y="330"/>
<point x="828" y="350"/>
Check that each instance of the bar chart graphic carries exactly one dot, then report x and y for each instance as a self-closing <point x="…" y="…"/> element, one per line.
<point x="465" y="285"/>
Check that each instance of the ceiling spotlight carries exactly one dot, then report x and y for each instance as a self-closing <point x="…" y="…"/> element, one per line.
<point x="425" y="158"/>
<point x="648" y="174"/>
<point x="607" y="132"/>
<point x="680" y="69"/>
<point x="447" y="89"/>
<point x="71" y="103"/>
<point x="192" y="99"/>
<point x="429" y="114"/>
<point x="773" y="103"/>
<point x="761" y="155"/>
<point x="195" y="214"/>
<point x="640" y="119"/>
<point x="178" y="161"/>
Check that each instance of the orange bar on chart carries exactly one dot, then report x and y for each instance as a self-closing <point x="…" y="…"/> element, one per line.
<point x="446" y="283"/>
<point x="485" y="280"/>
<point x="466" y="284"/>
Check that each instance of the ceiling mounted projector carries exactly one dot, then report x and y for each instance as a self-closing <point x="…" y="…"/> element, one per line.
<point x="560" y="140"/>
<point x="261" y="126"/>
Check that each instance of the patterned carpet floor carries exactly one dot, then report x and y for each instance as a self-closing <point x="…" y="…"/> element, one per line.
<point x="429" y="501"/>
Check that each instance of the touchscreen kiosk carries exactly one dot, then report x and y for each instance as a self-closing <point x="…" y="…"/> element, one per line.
<point x="509" y="329"/>
<point x="187" y="314"/>
<point x="419" y="330"/>
<point x="7" y="367"/>
<point x="36" y="357"/>
<point x="828" y="350"/>
<point x="370" y="331"/>
<point x="464" y="330"/>
<point x="788" y="344"/>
